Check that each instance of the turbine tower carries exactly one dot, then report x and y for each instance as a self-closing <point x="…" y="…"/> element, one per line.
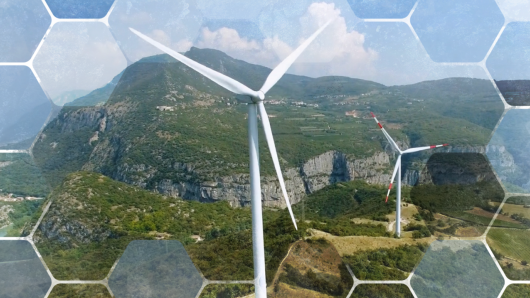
<point x="397" y="170"/>
<point x="254" y="99"/>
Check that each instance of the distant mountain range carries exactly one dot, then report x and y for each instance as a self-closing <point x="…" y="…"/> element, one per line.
<point x="168" y="129"/>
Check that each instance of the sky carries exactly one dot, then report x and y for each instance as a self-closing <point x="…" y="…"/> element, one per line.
<point x="266" y="32"/>
<point x="87" y="56"/>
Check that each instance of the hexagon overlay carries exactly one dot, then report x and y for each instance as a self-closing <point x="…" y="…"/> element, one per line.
<point x="381" y="9"/>
<point x="457" y="194"/>
<point x="509" y="64"/>
<point x="457" y="30"/>
<point x="79" y="291"/>
<point x="177" y="25"/>
<point x="381" y="291"/>
<point x="25" y="107"/>
<point x="22" y="26"/>
<point x="509" y="151"/>
<point x="155" y="268"/>
<point x="79" y="9"/>
<point x="457" y="268"/>
<point x="21" y="271"/>
<point x="509" y="238"/>
<point x="79" y="63"/>
<point x="516" y="291"/>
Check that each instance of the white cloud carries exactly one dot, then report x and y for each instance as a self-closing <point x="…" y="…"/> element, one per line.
<point x="338" y="51"/>
<point x="253" y="51"/>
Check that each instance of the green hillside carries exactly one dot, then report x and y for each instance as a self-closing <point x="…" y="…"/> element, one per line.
<point x="204" y="136"/>
<point x="108" y="214"/>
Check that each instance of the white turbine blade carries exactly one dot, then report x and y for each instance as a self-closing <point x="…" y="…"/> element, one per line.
<point x="398" y="163"/>
<point x="219" y="78"/>
<point x="278" y="72"/>
<point x="410" y="150"/>
<point x="274" y="155"/>
<point x="390" y="140"/>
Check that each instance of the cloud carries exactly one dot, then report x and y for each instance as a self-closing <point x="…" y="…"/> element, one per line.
<point x="337" y="51"/>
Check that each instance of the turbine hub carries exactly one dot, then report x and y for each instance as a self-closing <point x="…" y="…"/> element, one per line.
<point x="261" y="95"/>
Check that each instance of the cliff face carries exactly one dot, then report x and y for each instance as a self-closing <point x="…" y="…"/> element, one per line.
<point x="108" y="148"/>
<point x="316" y="173"/>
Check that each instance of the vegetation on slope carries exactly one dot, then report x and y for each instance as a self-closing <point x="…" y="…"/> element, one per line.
<point x="80" y="291"/>
<point x="162" y="142"/>
<point x="386" y="263"/>
<point x="381" y="291"/>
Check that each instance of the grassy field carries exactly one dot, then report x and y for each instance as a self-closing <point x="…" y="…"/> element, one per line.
<point x="80" y="291"/>
<point x="483" y="220"/>
<point x="510" y="242"/>
<point x="516" y="209"/>
<point x="351" y="244"/>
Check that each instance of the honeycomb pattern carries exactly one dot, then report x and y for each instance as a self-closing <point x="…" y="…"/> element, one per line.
<point x="90" y="59"/>
<point x="79" y="9"/>
<point x="381" y="9"/>
<point x="24" y="23"/>
<point x="457" y="31"/>
<point x="22" y="27"/>
<point x="508" y="64"/>
<point x="155" y="269"/>
<point x="457" y="268"/>
<point x="25" y="107"/>
<point x="22" y="273"/>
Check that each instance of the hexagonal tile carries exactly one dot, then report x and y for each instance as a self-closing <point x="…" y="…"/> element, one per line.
<point x="509" y="237"/>
<point x="21" y="271"/>
<point x="516" y="291"/>
<point x="155" y="268"/>
<point x="509" y="151"/>
<point x="509" y="64"/>
<point x="21" y="180"/>
<point x="227" y="290"/>
<point x="381" y="9"/>
<point x="81" y="62"/>
<point x="457" y="268"/>
<point x="458" y="194"/>
<point x="457" y="31"/>
<point x="381" y="291"/>
<point x="79" y="291"/>
<point x="79" y="9"/>
<point x="25" y="107"/>
<point x="22" y="27"/>
<point x="515" y="10"/>
<point x="176" y="25"/>
<point x="386" y="258"/>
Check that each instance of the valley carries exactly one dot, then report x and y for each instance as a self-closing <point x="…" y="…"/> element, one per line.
<point x="165" y="158"/>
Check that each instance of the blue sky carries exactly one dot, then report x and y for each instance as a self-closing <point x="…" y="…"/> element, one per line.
<point x="265" y="32"/>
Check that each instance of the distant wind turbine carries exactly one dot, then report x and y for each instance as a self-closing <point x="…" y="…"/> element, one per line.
<point x="397" y="170"/>
<point x="255" y="102"/>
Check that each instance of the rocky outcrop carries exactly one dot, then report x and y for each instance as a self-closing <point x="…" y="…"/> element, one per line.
<point x="325" y="169"/>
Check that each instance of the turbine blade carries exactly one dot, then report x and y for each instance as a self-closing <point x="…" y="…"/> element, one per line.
<point x="410" y="150"/>
<point x="274" y="155"/>
<point x="278" y="72"/>
<point x="390" y="140"/>
<point x="219" y="78"/>
<point x="398" y="163"/>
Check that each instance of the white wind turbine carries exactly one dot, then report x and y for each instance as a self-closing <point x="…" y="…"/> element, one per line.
<point x="255" y="102"/>
<point x="397" y="170"/>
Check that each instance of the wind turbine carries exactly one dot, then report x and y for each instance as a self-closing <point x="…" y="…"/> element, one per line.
<point x="254" y="99"/>
<point x="397" y="170"/>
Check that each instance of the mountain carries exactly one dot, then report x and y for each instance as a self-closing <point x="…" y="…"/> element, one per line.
<point x="97" y="97"/>
<point x="69" y="96"/>
<point x="168" y="129"/>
